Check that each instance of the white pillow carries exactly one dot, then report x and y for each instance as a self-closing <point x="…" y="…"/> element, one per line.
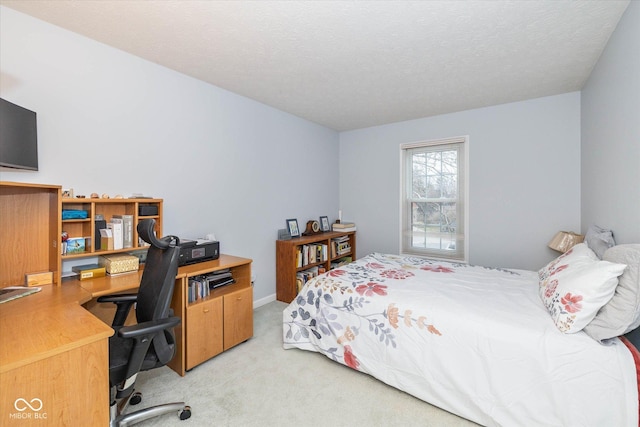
<point x="622" y="313"/>
<point x="574" y="286"/>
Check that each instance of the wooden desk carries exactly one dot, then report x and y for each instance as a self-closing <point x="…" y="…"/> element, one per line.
<point x="54" y="355"/>
<point x="110" y="285"/>
<point x="125" y="283"/>
<point x="209" y="326"/>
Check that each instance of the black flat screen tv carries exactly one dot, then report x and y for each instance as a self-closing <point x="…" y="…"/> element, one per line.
<point x="18" y="137"/>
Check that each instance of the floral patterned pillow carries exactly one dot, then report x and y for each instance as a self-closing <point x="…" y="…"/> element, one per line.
<point x="574" y="286"/>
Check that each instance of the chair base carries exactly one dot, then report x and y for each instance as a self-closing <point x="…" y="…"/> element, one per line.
<point x="117" y="419"/>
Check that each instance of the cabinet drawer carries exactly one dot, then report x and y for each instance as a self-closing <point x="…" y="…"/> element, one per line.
<point x="238" y="317"/>
<point x="204" y="331"/>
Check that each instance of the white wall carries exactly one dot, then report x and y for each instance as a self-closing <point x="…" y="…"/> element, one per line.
<point x="611" y="134"/>
<point x="524" y="182"/>
<point x="109" y="122"/>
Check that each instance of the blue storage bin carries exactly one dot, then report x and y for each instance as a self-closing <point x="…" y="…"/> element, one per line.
<point x="74" y="214"/>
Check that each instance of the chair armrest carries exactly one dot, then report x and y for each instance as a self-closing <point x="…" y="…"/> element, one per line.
<point x="124" y="302"/>
<point x="148" y="328"/>
<point x="118" y="298"/>
<point x="143" y="335"/>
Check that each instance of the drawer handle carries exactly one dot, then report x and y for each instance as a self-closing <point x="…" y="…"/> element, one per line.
<point x="205" y="310"/>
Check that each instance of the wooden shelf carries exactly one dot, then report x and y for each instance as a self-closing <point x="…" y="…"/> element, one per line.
<point x="287" y="260"/>
<point x="79" y="228"/>
<point x="30" y="229"/>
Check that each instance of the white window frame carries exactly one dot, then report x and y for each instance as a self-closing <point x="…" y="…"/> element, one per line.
<point x="462" y="201"/>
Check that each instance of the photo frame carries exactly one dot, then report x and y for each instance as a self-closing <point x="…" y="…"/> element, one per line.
<point x="292" y="226"/>
<point x="324" y="224"/>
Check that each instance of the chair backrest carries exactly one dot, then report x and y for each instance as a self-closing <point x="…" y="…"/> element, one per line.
<point x="157" y="283"/>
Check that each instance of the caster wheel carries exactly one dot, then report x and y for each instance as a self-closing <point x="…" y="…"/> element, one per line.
<point x="135" y="399"/>
<point x="185" y="413"/>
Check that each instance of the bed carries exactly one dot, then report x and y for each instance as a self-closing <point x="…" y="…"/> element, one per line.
<point x="495" y="346"/>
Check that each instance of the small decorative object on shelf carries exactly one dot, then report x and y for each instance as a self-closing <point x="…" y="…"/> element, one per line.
<point x="313" y="227"/>
<point x="324" y="224"/>
<point x="283" y="234"/>
<point x="292" y="226"/>
<point x="75" y="245"/>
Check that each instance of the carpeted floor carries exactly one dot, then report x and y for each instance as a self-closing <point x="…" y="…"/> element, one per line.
<point x="258" y="383"/>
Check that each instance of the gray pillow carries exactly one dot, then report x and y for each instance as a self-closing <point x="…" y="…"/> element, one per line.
<point x="622" y="313"/>
<point x="599" y="240"/>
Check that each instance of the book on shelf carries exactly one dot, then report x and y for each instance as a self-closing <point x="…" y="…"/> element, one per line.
<point x="200" y="287"/>
<point x="221" y="282"/>
<point x="116" y="227"/>
<point x="343" y="224"/>
<point x="344" y="230"/>
<point x="311" y="254"/>
<point x="303" y="277"/>
<point x="340" y="246"/>
<point x="340" y="262"/>
<point x="197" y="288"/>
<point x="219" y="278"/>
<point x="127" y="230"/>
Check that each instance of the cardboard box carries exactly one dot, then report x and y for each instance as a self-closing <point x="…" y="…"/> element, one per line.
<point x="106" y="239"/>
<point x="119" y="263"/>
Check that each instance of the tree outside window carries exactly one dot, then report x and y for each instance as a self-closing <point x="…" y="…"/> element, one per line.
<point x="433" y="200"/>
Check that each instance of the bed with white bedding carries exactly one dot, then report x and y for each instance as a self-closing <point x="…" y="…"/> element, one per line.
<point x="478" y="342"/>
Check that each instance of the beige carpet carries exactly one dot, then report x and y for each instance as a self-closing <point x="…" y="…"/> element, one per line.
<point x="258" y="383"/>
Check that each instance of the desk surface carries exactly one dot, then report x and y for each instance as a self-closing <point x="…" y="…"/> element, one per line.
<point x="129" y="282"/>
<point x="108" y="285"/>
<point x="53" y="320"/>
<point x="46" y="323"/>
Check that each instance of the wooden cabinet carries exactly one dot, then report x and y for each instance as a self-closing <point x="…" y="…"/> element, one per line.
<point x="291" y="260"/>
<point x="237" y="317"/>
<point x="217" y="322"/>
<point x="204" y="331"/>
<point x="29" y="231"/>
<point x="107" y="208"/>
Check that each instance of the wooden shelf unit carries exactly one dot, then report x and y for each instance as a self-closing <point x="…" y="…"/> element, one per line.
<point x="30" y="231"/>
<point x="107" y="208"/>
<point x="286" y="260"/>
<point x="217" y="322"/>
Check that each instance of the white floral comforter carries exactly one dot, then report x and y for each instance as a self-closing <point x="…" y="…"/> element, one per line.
<point x="475" y="341"/>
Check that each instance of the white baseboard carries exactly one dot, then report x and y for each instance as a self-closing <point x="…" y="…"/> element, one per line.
<point x="262" y="301"/>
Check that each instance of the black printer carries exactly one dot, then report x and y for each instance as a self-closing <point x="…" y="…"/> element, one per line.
<point x="193" y="251"/>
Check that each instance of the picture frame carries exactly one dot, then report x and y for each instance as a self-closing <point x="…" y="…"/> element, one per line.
<point x="324" y="224"/>
<point x="292" y="226"/>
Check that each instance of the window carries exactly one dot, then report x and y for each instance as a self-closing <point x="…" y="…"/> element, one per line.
<point x="433" y="199"/>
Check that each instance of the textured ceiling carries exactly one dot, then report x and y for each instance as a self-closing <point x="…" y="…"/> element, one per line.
<point x="354" y="64"/>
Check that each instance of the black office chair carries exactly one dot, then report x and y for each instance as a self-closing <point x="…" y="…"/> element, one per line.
<point x="151" y="342"/>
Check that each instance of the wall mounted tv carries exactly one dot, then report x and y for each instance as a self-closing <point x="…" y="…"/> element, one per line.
<point x="18" y="137"/>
